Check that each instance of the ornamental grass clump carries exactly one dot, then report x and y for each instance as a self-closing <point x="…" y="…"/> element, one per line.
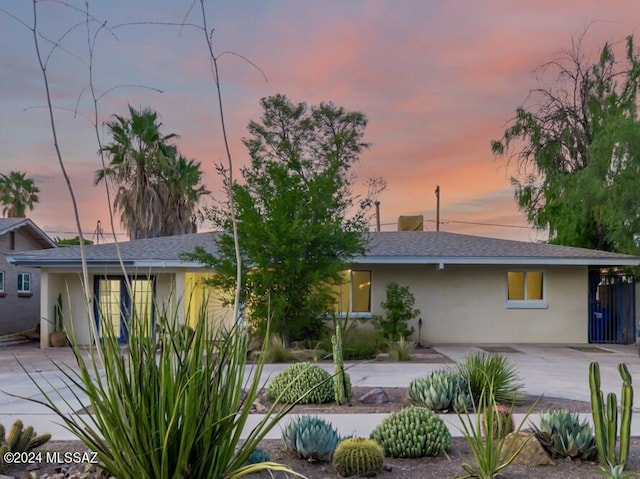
<point x="413" y="432"/>
<point x="302" y="383"/>
<point x="173" y="411"/>
<point x="493" y="374"/>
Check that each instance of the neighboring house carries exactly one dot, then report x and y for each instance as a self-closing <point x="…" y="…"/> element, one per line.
<point x="20" y="285"/>
<point x="468" y="289"/>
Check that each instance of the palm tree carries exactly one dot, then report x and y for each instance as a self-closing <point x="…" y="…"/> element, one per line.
<point x="157" y="190"/>
<point x="181" y="192"/>
<point x="17" y="194"/>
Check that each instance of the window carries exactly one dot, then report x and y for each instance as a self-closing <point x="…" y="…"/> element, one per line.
<point x="1" y="281"/>
<point x="525" y="289"/>
<point x="354" y="294"/>
<point x="24" y="283"/>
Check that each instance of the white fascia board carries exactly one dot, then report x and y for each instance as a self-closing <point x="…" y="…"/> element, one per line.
<point x="166" y="264"/>
<point x="497" y="260"/>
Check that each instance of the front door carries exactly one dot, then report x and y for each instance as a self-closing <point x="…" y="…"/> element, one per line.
<point x="117" y="306"/>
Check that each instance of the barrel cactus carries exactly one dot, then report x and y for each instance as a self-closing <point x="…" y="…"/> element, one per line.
<point x="413" y="432"/>
<point x="303" y="383"/>
<point x="442" y="390"/>
<point x="563" y="435"/>
<point x="358" y="456"/>
<point x="310" y="437"/>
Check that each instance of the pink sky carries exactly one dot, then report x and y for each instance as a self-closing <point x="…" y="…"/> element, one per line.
<point x="438" y="81"/>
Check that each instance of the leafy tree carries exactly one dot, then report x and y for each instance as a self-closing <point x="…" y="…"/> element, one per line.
<point x="70" y="241"/>
<point x="399" y="307"/>
<point x="157" y="189"/>
<point x="298" y="220"/>
<point x="572" y="156"/>
<point x="17" y="194"/>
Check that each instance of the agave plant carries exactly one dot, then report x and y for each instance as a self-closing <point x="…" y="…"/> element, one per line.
<point x="442" y="390"/>
<point x="562" y="434"/>
<point x="311" y="438"/>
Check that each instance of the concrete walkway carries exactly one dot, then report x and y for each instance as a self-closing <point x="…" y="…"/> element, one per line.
<point x="552" y="370"/>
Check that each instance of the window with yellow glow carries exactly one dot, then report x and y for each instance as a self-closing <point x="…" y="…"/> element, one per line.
<point x="354" y="294"/>
<point x="525" y="286"/>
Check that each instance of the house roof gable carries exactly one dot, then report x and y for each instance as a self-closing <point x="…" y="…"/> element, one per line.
<point x="13" y="224"/>
<point x="405" y="247"/>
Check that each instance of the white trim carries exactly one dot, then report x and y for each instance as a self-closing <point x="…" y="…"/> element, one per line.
<point x="526" y="304"/>
<point x="22" y="290"/>
<point x="2" y="283"/>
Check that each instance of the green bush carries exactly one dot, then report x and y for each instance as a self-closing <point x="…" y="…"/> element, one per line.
<point x="302" y="383"/>
<point x="310" y="437"/>
<point x="564" y="435"/>
<point x="413" y="432"/>
<point x="442" y="390"/>
<point x="494" y="374"/>
<point x="399" y="310"/>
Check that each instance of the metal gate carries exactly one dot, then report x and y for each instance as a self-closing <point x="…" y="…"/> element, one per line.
<point x="612" y="308"/>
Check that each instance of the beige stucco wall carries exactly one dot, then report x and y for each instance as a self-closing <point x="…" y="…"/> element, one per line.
<point x="467" y="304"/>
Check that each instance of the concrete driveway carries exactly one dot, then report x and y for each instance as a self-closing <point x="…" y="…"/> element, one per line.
<point x="552" y="370"/>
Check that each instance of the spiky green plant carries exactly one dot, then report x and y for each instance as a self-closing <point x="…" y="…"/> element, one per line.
<point x="413" y="432"/>
<point x="310" y="437"/>
<point x="483" y="370"/>
<point x="178" y="412"/>
<point x="302" y="383"/>
<point x="358" y="456"/>
<point x="442" y="390"/>
<point x="257" y="456"/>
<point x="277" y="350"/>
<point x="485" y="438"/>
<point x="400" y="350"/>
<point x="563" y="435"/>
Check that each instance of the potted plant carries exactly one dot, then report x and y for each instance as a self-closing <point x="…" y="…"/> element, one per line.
<point x="59" y="337"/>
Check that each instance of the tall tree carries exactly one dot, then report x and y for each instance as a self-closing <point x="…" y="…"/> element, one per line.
<point x="17" y="194"/>
<point x="565" y="144"/>
<point x="298" y="219"/>
<point x="157" y="189"/>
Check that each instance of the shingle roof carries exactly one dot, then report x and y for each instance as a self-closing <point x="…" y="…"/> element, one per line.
<point x="385" y="247"/>
<point x="11" y="224"/>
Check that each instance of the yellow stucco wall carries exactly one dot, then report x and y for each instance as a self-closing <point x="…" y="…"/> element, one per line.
<point x="467" y="304"/>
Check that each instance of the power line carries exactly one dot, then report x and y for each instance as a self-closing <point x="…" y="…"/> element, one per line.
<point x="476" y="223"/>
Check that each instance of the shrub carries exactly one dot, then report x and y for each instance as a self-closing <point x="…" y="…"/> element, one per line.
<point x="563" y="435"/>
<point x="400" y="350"/>
<point x="494" y="374"/>
<point x="442" y="391"/>
<point x="277" y="350"/>
<point x="361" y="344"/>
<point x="358" y="456"/>
<point x="303" y="383"/>
<point x="399" y="310"/>
<point x="413" y="432"/>
<point x="310" y="437"/>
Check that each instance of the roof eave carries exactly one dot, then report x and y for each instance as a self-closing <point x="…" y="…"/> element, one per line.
<point x="497" y="260"/>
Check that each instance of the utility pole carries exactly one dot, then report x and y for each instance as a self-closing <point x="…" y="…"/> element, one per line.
<point x="437" y="207"/>
<point x="98" y="233"/>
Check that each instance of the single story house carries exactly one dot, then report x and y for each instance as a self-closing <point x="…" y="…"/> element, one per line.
<point x="20" y="284"/>
<point x="469" y="289"/>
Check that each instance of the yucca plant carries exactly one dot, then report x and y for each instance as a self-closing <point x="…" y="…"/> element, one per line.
<point x="487" y="448"/>
<point x="493" y="374"/>
<point x="172" y="414"/>
<point x="400" y="350"/>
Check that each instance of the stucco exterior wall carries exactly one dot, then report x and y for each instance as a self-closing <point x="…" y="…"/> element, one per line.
<point x="20" y="312"/>
<point x="467" y="304"/>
